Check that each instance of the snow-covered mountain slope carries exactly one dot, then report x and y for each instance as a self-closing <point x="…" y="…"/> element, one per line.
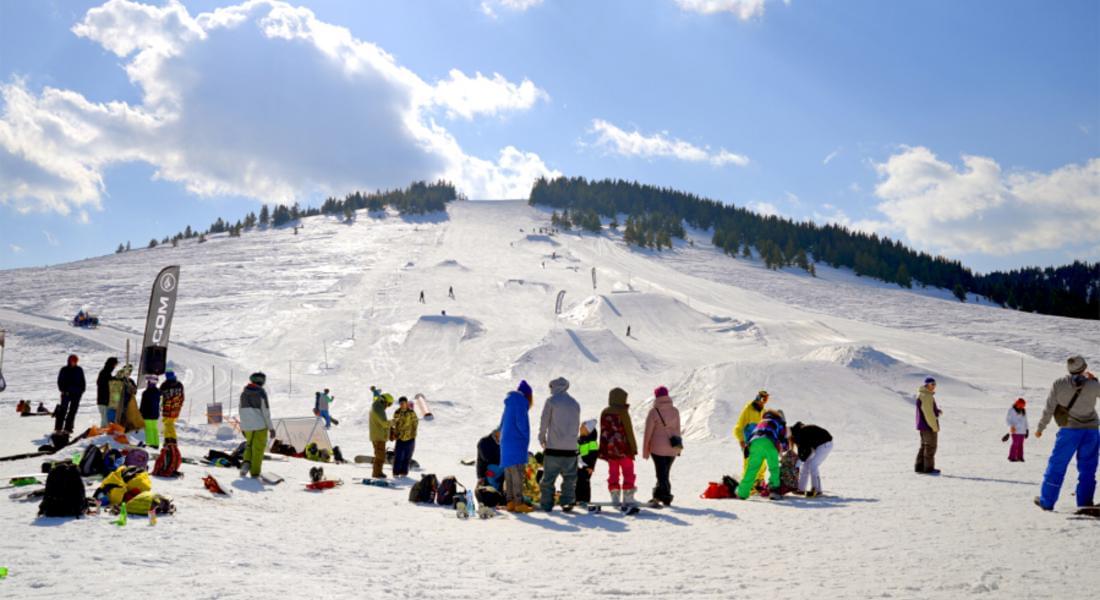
<point x="337" y="306"/>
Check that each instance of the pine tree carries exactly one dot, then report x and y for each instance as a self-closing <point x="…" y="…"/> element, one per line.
<point x="202" y="237"/>
<point x="153" y="243"/>
<point x="960" y="292"/>
<point x="127" y="246"/>
<point x="902" y="277"/>
<point x="746" y="251"/>
<point x="265" y="216"/>
<point x="121" y="249"/>
<point x="175" y="242"/>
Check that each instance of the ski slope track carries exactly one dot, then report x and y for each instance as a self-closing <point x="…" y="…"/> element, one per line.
<point x="337" y="305"/>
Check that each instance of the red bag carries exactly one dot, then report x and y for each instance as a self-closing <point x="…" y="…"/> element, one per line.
<point x="716" y="491"/>
<point x="324" y="484"/>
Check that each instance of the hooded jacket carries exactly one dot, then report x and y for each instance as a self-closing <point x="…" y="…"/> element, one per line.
<point x="750" y="416"/>
<point x="808" y="438"/>
<point x="928" y="414"/>
<point x="171" y="398"/>
<point x="616" y="429"/>
<point x="255" y="411"/>
<point x="1083" y="415"/>
<point x="1017" y="419"/>
<point x="561" y="418"/>
<point x="103" y="384"/>
<point x="404" y="424"/>
<point x="150" y="403"/>
<point x="657" y="434"/>
<point x="379" y="424"/>
<point x="515" y="430"/>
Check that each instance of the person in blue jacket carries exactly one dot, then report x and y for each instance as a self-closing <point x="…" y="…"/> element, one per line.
<point x="515" y="437"/>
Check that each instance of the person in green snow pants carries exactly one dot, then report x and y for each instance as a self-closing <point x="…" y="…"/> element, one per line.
<point x="761" y="450"/>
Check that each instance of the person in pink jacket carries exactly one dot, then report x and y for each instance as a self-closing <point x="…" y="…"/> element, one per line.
<point x="662" y="441"/>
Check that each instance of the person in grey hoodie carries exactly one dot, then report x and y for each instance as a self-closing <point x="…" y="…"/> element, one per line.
<point x="255" y="418"/>
<point x="561" y="418"/>
<point x="1078" y="393"/>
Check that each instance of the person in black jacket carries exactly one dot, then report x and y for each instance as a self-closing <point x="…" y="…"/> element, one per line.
<point x="150" y="411"/>
<point x="70" y="382"/>
<point x="103" y="389"/>
<point x="814" y="445"/>
<point x="488" y="460"/>
<point x="588" y="450"/>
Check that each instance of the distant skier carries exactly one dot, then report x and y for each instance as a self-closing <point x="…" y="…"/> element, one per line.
<point x="588" y="449"/>
<point x="150" y="411"/>
<point x="769" y="438"/>
<point x="618" y="447"/>
<point x="323" y="406"/>
<point x="422" y="296"/>
<point x="71" y="384"/>
<point x="515" y="438"/>
<point x="814" y="445"/>
<point x="103" y="389"/>
<point x="171" y="404"/>
<point x="662" y="440"/>
<point x="1076" y="394"/>
<point x="1017" y="429"/>
<point x="255" y="424"/>
<point x="628" y="331"/>
<point x="379" y="430"/>
<point x="928" y="423"/>
<point x="451" y="292"/>
<point x="561" y="419"/>
<point x="403" y="433"/>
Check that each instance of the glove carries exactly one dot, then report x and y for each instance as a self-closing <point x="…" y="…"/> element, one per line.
<point x="745" y="449"/>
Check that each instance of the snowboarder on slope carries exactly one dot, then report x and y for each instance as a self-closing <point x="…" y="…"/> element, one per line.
<point x="171" y="404"/>
<point x="403" y="433"/>
<point x="588" y="449"/>
<point x="255" y="424"/>
<point x="323" y="404"/>
<point x="814" y="445"/>
<point x="515" y="437"/>
<point x="70" y="382"/>
<point x="928" y="423"/>
<point x="1018" y="429"/>
<point x="769" y="438"/>
<point x="662" y="427"/>
<point x="618" y="447"/>
<point x="103" y="389"/>
<point x="561" y="419"/>
<point x="422" y="296"/>
<point x="379" y="430"/>
<point x="451" y="292"/>
<point x="1079" y="435"/>
<point x="150" y="411"/>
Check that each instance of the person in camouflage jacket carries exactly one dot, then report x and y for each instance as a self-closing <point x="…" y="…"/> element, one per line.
<point x="403" y="433"/>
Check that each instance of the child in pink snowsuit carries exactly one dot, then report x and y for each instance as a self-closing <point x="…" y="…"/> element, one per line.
<point x="618" y="447"/>
<point x="1017" y="428"/>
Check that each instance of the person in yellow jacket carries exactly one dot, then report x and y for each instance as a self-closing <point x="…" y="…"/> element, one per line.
<point x="751" y="415"/>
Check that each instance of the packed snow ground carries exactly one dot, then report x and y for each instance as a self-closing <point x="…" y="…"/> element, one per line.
<point x="336" y="306"/>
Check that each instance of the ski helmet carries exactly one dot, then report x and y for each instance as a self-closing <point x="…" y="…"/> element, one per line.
<point x="258" y="378"/>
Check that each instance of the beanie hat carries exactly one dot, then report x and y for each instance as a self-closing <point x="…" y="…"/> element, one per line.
<point x="170" y="375"/>
<point x="559" y="385"/>
<point x="402" y="399"/>
<point x="617" y="397"/>
<point x="73" y="359"/>
<point x="928" y="380"/>
<point x="660" y="392"/>
<point x="258" y="378"/>
<point x="525" y="388"/>
<point x="1020" y="403"/>
<point x="1076" y="364"/>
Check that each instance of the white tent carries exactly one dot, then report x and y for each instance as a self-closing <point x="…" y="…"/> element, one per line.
<point x="300" y="431"/>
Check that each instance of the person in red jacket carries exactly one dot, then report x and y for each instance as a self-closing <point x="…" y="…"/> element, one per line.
<point x="618" y="447"/>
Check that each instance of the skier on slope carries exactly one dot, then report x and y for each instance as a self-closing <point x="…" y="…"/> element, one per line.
<point x="150" y="411"/>
<point x="618" y="447"/>
<point x="515" y="438"/>
<point x="662" y="440"/>
<point x="1077" y="394"/>
<point x="171" y="404"/>
<point x="768" y="439"/>
<point x="255" y="424"/>
<point x="1017" y="429"/>
<point x="379" y="430"/>
<point x="70" y="382"/>
<point x="103" y="389"/>
<point x="561" y="419"/>
<point x="928" y="423"/>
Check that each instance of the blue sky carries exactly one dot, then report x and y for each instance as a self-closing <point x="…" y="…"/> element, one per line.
<point x="970" y="129"/>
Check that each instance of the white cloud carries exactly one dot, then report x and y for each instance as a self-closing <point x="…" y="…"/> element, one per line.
<point x="659" y="145"/>
<point x="50" y="239"/>
<point x="766" y="209"/>
<point x="467" y="97"/>
<point x="15" y="249"/>
<point x="744" y="9"/>
<point x="829" y="157"/>
<point x="837" y="216"/>
<point x="260" y="99"/>
<point x="980" y="208"/>
<point x="489" y="6"/>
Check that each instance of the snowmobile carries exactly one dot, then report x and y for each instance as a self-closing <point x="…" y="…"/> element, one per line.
<point x="85" y="320"/>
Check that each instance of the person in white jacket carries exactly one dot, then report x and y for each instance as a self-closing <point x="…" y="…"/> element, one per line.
<point x="1018" y="429"/>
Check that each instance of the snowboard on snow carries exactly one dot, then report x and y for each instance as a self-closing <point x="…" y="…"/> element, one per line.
<point x="365" y="459"/>
<point x="385" y="483"/>
<point x="271" y="478"/>
<point x="469" y="462"/>
<point x="422" y="407"/>
<point x="324" y="484"/>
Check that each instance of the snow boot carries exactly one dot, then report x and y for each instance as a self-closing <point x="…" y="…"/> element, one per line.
<point x="616" y="497"/>
<point x="520" y="507"/>
<point x="1039" y="502"/>
<point x="628" y="499"/>
<point x="567" y="508"/>
<point x="245" y="467"/>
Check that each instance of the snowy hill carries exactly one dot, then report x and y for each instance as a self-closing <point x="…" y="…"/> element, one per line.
<point x="337" y="306"/>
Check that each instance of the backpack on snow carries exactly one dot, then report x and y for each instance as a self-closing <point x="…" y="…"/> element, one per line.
<point x="91" y="463"/>
<point x="488" y="495"/>
<point x="112" y="459"/>
<point x="137" y="458"/>
<point x="423" y="491"/>
<point x="447" y="491"/>
<point x="64" y="495"/>
<point x="168" y="461"/>
<point x="716" y="491"/>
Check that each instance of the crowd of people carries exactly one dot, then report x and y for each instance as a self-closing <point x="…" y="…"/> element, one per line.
<point x="569" y="447"/>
